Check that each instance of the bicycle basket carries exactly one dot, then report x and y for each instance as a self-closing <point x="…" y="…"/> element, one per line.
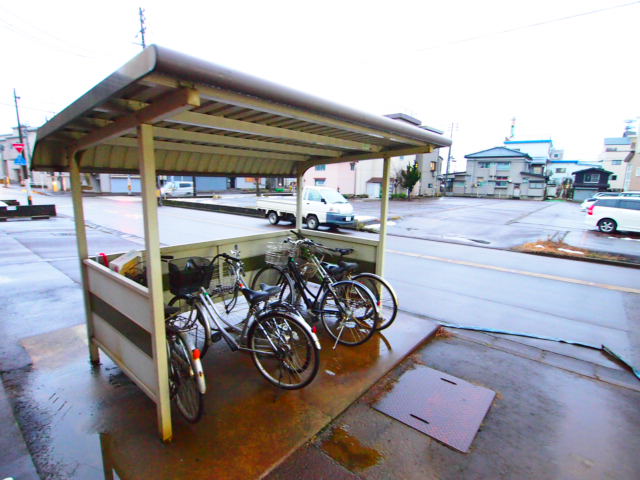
<point x="187" y="275"/>
<point x="278" y="253"/>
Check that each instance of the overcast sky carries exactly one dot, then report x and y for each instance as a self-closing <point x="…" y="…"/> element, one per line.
<point x="566" y="70"/>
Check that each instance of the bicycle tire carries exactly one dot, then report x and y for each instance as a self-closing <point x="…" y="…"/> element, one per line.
<point x="354" y="327"/>
<point x="272" y="275"/>
<point x="385" y="296"/>
<point x="290" y="357"/>
<point x="198" y="329"/>
<point x="183" y="383"/>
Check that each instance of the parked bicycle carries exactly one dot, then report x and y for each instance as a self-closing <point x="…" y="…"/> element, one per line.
<point x="186" y="378"/>
<point x="382" y="290"/>
<point x="283" y="347"/>
<point x="347" y="309"/>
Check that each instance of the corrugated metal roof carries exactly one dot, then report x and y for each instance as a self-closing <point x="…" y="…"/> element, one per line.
<point x="211" y="120"/>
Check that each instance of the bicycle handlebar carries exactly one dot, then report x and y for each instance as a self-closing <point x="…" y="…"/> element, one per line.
<point x="341" y="251"/>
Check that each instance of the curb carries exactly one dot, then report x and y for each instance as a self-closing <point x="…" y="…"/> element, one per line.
<point x="615" y="263"/>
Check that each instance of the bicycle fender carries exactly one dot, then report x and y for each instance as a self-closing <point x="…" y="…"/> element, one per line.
<point x="197" y="363"/>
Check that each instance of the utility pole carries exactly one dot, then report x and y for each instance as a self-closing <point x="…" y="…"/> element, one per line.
<point x="143" y="28"/>
<point x="25" y="168"/>
<point x="446" y="175"/>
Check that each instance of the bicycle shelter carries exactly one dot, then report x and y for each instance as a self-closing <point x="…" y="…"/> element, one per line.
<point x="166" y="113"/>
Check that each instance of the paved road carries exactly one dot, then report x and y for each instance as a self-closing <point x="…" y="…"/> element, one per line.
<point x="451" y="282"/>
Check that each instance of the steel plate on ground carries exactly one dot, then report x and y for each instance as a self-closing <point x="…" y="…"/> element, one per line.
<point x="444" y="407"/>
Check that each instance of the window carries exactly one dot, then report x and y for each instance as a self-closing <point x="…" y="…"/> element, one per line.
<point x="314" y="195"/>
<point x="536" y="184"/>
<point x="321" y="167"/>
<point x="561" y="170"/>
<point x="502" y="178"/>
<point x="502" y="184"/>
<point x="433" y="166"/>
<point x="320" y="181"/>
<point x="616" y="162"/>
<point x="614" y="177"/>
<point x="607" y="202"/>
<point x="352" y="165"/>
<point x="484" y="164"/>
<point x="591" y="177"/>
<point x="637" y="171"/>
<point x="611" y="149"/>
<point x="503" y="165"/>
<point x="630" y="204"/>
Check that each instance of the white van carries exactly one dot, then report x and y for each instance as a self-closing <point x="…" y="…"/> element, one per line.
<point x="177" y="189"/>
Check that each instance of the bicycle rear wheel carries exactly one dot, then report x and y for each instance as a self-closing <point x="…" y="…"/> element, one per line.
<point x="183" y="384"/>
<point x="385" y="297"/>
<point x="283" y="350"/>
<point x="191" y="321"/>
<point x="349" y="312"/>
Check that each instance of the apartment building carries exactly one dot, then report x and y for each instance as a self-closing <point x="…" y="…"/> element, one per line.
<point x="616" y="158"/>
<point x="503" y="173"/>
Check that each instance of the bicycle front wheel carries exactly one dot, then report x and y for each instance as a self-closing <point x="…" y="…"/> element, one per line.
<point x="349" y="312"/>
<point x="385" y="297"/>
<point x="271" y="275"/>
<point x="191" y="321"/>
<point x="283" y="350"/>
<point x="183" y="383"/>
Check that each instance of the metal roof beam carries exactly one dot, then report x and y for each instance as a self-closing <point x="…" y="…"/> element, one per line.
<point x="166" y="105"/>
<point x="227" y="124"/>
<point x="189" y="147"/>
<point x="369" y="156"/>
<point x="186" y="135"/>
<point x="232" y="98"/>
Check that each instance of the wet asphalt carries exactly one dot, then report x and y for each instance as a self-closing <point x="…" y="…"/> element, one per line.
<point x="558" y="413"/>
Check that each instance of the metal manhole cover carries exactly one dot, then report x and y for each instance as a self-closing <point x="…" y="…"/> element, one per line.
<point x="439" y="405"/>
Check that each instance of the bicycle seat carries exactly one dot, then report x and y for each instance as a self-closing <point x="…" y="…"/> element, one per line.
<point x="272" y="290"/>
<point x="341" y="267"/>
<point x="255" y="296"/>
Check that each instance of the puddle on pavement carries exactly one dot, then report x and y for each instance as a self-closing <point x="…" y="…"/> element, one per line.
<point x="349" y="451"/>
<point x="82" y="422"/>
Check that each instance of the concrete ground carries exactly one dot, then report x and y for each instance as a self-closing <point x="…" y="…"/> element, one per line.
<point x="555" y="415"/>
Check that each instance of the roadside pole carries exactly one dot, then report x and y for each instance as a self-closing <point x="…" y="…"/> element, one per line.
<point x="24" y="151"/>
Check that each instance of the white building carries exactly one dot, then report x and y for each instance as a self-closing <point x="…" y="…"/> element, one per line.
<point x="616" y="158"/>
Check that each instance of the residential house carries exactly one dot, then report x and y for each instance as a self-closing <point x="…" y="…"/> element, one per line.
<point x="616" y="158"/>
<point x="365" y="177"/>
<point x="590" y="181"/>
<point x="561" y="170"/>
<point x="504" y="173"/>
<point x="632" y="180"/>
<point x="540" y="151"/>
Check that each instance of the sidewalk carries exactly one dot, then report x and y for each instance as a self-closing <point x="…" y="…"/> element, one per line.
<point x="554" y="416"/>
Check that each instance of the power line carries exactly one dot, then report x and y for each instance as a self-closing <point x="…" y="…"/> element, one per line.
<point x="532" y="25"/>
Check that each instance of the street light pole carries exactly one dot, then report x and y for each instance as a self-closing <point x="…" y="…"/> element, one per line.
<point x="446" y="175"/>
<point x="24" y="152"/>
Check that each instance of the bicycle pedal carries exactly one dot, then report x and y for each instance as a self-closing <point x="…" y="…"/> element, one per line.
<point x="216" y="336"/>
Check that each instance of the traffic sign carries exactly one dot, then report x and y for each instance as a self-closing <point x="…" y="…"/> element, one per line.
<point x="20" y="160"/>
<point x="19" y="147"/>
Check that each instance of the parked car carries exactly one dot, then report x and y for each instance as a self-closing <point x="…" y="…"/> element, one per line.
<point x="320" y="206"/>
<point x="611" y="214"/>
<point x="177" y="189"/>
<point x="589" y="201"/>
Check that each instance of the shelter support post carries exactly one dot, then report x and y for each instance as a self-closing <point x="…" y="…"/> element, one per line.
<point x="299" y="187"/>
<point x="384" y="211"/>
<point x="83" y="249"/>
<point x="154" y="277"/>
